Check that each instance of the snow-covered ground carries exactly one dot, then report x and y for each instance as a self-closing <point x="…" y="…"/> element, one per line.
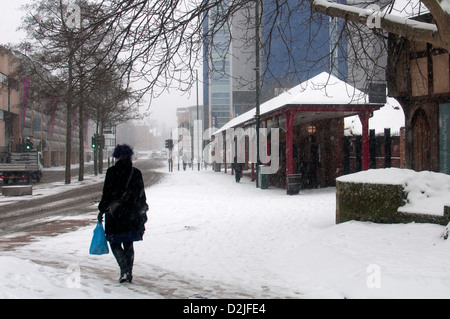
<point x="208" y="237"/>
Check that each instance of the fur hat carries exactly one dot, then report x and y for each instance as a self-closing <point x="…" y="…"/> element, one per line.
<point x="123" y="151"/>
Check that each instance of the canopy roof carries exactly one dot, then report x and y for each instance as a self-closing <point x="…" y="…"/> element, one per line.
<point x="322" y="93"/>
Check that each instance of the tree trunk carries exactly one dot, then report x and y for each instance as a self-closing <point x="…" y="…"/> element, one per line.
<point x="96" y="148"/>
<point x="69" y="118"/>
<point x="81" y="132"/>
<point x="100" y="150"/>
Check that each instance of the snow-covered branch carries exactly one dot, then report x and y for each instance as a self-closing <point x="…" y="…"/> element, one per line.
<point x="437" y="34"/>
<point x="441" y="14"/>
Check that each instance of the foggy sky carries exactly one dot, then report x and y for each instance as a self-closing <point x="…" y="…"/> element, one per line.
<point x="163" y="109"/>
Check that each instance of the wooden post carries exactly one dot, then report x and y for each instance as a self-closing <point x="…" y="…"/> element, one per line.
<point x="364" y="117"/>
<point x="289" y="143"/>
<point x="225" y="151"/>
<point x="387" y="148"/>
<point x="372" y="149"/>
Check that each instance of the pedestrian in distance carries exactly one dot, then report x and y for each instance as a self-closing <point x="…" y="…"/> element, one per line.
<point x="124" y="206"/>
<point x="237" y="170"/>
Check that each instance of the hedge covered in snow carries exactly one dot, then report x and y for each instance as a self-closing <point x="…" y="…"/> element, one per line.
<point x="393" y="196"/>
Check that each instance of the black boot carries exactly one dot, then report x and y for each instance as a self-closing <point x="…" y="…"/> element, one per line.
<point x="125" y="259"/>
<point x="125" y="277"/>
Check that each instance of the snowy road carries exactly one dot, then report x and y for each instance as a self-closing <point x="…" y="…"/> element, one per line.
<point x="54" y="198"/>
<point x="208" y="237"/>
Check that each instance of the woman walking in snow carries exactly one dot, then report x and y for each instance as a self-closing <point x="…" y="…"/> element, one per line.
<point x="124" y="205"/>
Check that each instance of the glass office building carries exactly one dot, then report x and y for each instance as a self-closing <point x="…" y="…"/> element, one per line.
<point x="228" y="74"/>
<point x="292" y="51"/>
<point x="220" y="82"/>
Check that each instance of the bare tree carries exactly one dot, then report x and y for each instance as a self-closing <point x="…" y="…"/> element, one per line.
<point x="167" y="36"/>
<point x="165" y="39"/>
<point x="162" y="41"/>
<point x="52" y="57"/>
<point x="110" y="103"/>
<point x="66" y="57"/>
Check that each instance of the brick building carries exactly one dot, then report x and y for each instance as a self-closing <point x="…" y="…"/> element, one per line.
<point x="10" y="105"/>
<point x="25" y="115"/>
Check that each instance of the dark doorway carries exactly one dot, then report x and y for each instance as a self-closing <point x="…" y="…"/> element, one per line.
<point x="421" y="141"/>
<point x="314" y="161"/>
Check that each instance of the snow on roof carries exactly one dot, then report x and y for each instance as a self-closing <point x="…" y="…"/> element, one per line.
<point x="323" y="89"/>
<point x="391" y="116"/>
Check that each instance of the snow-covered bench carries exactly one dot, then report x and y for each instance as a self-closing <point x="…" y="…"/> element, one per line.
<point x="17" y="190"/>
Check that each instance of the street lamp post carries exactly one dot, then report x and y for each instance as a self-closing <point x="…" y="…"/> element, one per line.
<point x="198" y="131"/>
<point x="257" y="69"/>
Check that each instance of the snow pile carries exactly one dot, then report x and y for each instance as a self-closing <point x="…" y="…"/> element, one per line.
<point x="428" y="192"/>
<point x="209" y="237"/>
<point x="17" y="276"/>
<point x="24" y="279"/>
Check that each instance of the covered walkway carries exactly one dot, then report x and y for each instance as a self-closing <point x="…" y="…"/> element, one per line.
<point x="323" y="99"/>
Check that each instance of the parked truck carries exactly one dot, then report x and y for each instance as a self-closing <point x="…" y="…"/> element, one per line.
<point x="23" y="168"/>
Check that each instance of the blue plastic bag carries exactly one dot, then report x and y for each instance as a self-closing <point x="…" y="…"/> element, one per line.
<point x="98" y="243"/>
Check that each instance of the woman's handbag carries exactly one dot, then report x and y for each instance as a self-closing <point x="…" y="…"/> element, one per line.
<point x="115" y="205"/>
<point x="98" y="243"/>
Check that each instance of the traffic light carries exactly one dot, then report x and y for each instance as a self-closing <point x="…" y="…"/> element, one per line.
<point x="28" y="144"/>
<point x="169" y="144"/>
<point x="98" y="141"/>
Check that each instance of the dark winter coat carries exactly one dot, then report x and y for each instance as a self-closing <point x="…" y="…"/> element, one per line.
<point x="128" y="224"/>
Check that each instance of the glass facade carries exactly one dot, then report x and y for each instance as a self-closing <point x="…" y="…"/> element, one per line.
<point x="226" y="60"/>
<point x="220" y="82"/>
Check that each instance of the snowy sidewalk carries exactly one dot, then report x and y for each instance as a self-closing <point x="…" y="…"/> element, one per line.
<point x="209" y="237"/>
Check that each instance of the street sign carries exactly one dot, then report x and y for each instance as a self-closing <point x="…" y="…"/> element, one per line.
<point x="377" y="93"/>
